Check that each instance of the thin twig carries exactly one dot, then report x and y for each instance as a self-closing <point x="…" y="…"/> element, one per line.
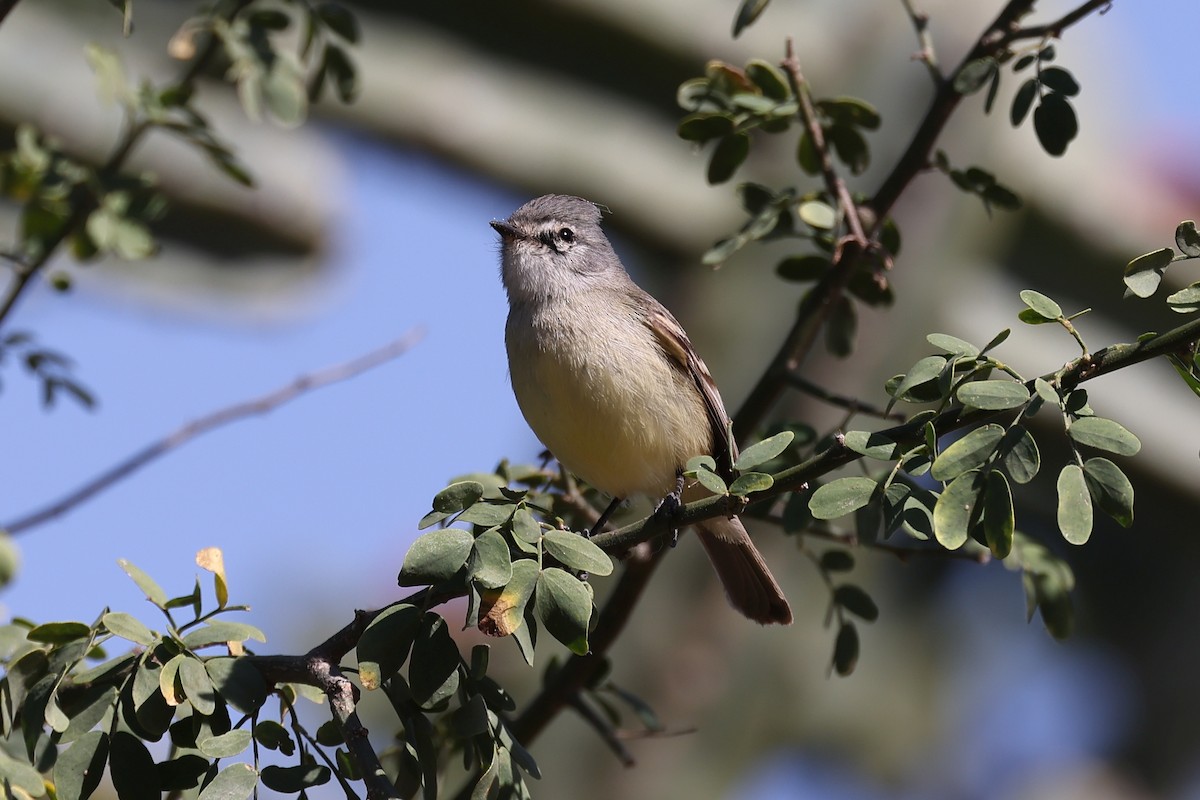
<point x="926" y="55"/>
<point x="607" y="732"/>
<point x="5" y="7"/>
<point x="261" y="405"/>
<point x="853" y="404"/>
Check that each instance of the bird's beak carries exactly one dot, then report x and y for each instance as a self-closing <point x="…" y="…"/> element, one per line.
<point x="507" y="232"/>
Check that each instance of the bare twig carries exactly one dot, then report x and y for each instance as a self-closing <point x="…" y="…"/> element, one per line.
<point x="853" y="404"/>
<point x="607" y="732"/>
<point x="261" y="405"/>
<point x="926" y="55"/>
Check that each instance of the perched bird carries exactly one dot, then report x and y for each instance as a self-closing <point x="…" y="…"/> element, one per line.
<point x="610" y="383"/>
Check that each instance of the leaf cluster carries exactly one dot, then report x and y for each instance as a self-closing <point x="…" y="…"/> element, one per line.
<point x="1050" y="88"/>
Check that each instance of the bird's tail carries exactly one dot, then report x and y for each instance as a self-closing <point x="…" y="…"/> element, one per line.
<point x="749" y="585"/>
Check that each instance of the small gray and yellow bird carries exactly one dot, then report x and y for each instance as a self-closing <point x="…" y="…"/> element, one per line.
<point x="610" y="383"/>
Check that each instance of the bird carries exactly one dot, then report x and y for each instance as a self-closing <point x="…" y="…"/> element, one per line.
<point x="608" y="380"/>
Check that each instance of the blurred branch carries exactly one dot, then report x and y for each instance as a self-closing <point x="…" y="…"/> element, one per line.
<point x="261" y="405"/>
<point x="852" y="404"/>
<point x="82" y="203"/>
<point x="5" y="7"/>
<point x="926" y="55"/>
<point x="1055" y="29"/>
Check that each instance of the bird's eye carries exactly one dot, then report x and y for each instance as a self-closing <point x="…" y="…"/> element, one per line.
<point x="566" y="235"/>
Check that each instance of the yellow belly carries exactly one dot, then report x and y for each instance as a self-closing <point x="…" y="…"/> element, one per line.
<point x="623" y="419"/>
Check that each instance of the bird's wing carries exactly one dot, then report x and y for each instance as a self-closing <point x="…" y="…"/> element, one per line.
<point x="678" y="348"/>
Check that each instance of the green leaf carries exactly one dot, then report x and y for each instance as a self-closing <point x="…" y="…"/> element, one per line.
<point x="803" y="268"/>
<point x="433" y="667"/>
<point x="967" y="453"/>
<point x="769" y="78"/>
<point x="487" y="515"/>
<point x="807" y="156"/>
<point x="1144" y="273"/>
<point x="1110" y="489"/>
<point x="818" y="215"/>
<point x="704" y="126"/>
<point x="955" y="510"/>
<point x="78" y="770"/>
<point x="993" y="395"/>
<point x="504" y="612"/>
<point x="1019" y="453"/>
<point x="997" y="340"/>
<point x="339" y="20"/>
<point x="58" y="632"/>
<point x="1046" y="391"/>
<point x="998" y="518"/>
<point x="239" y="682"/>
<point x="235" y="782"/>
<point x="747" y="12"/>
<point x="197" y="686"/>
<point x="1074" y="505"/>
<point x="457" y="496"/>
<point x="384" y="645"/>
<point x="436" y="557"/>
<point x="925" y="370"/>
<point x="1041" y="305"/>
<point x="729" y="154"/>
<point x="1186" y="300"/>
<point x="564" y="605"/>
<point x="1055" y="123"/>
<point x="750" y="482"/>
<point x="837" y="561"/>
<point x="273" y="735"/>
<point x="131" y="768"/>
<point x="711" y="481"/>
<point x="845" y="649"/>
<point x="490" y="564"/>
<point x="129" y="627"/>
<point x="1187" y="239"/>
<point x="220" y="632"/>
<point x="856" y="601"/>
<point x="873" y="444"/>
<point x="841" y="497"/>
<point x="851" y="111"/>
<point x="1059" y="80"/>
<point x="1023" y="101"/>
<point x="152" y="590"/>
<point x="225" y="745"/>
<point x="1104" y="434"/>
<point x="850" y="147"/>
<point x="952" y="345"/>
<point x="577" y="552"/>
<point x="975" y="75"/>
<point x="764" y="451"/>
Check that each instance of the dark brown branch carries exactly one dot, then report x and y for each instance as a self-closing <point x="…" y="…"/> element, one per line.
<point x="1055" y="29"/>
<point x="852" y="404"/>
<point x="5" y="7"/>
<point x="261" y="405"/>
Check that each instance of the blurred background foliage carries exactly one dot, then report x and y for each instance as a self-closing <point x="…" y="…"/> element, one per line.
<point x="372" y="217"/>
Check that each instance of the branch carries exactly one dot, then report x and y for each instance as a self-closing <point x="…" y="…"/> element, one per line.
<point x="261" y="405"/>
<point x="82" y="203"/>
<point x="992" y="42"/>
<point x="926" y="55"/>
<point x="852" y="404"/>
